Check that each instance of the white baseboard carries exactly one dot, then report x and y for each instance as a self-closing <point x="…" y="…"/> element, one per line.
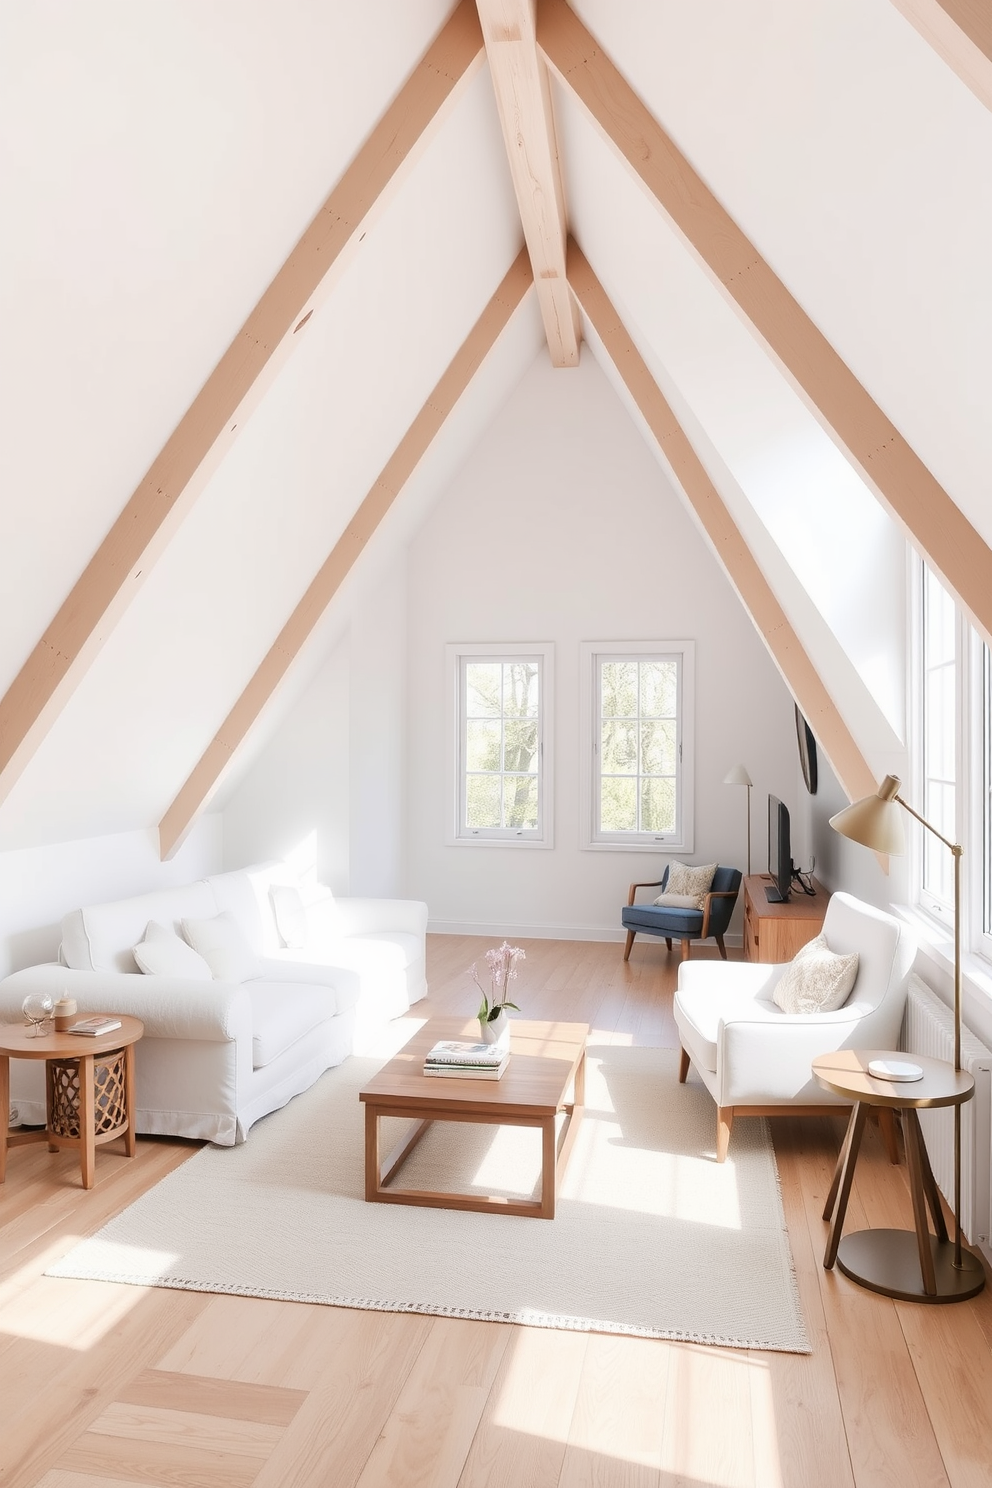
<point x="503" y="931"/>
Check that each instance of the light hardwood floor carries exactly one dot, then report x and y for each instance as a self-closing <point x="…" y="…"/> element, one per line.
<point x="102" y="1384"/>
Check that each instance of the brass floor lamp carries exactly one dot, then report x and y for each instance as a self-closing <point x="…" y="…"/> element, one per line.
<point x="739" y="776"/>
<point x="875" y="822"/>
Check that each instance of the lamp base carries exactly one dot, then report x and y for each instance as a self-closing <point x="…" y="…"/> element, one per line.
<point x="888" y="1261"/>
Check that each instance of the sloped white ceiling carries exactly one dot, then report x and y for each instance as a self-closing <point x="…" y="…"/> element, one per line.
<point x="829" y="529"/>
<point x="272" y="512"/>
<point x="159" y="162"/>
<point x="859" y="164"/>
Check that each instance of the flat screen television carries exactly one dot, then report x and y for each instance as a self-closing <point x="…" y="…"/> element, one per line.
<point x="779" y="852"/>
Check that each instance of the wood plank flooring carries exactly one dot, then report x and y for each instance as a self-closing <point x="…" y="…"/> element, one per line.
<point x="109" y="1385"/>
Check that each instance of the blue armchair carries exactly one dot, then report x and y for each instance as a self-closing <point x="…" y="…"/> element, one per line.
<point x="685" y="925"/>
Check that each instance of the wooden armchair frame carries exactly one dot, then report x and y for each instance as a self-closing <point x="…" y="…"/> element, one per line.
<point x="686" y="942"/>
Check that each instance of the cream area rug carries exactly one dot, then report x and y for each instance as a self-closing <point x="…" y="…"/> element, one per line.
<point x="652" y="1236"/>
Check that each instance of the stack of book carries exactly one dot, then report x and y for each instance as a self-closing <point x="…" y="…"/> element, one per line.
<point x="459" y="1059"/>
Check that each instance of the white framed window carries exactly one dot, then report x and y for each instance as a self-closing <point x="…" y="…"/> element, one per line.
<point x="637" y="712"/>
<point x="941" y="655"/>
<point x="952" y="760"/>
<point x="501" y="732"/>
<point x="981" y="816"/>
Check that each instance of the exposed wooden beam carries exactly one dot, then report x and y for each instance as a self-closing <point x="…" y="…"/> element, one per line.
<point x="960" y="31"/>
<point x="732" y="551"/>
<point x="208" y="773"/>
<point x="523" y="101"/>
<point x="930" y="519"/>
<point x="207" y="430"/>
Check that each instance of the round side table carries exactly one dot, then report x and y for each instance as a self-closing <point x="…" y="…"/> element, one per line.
<point x="912" y="1265"/>
<point x="89" y="1089"/>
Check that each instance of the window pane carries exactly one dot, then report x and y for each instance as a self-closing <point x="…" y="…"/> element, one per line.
<point x="659" y="684"/>
<point x="619" y="748"/>
<point x="658" y="748"/>
<point x="482" y="740"/>
<point x="939" y="735"/>
<point x="519" y="746"/>
<point x="500" y="750"/>
<point x="483" y="686"/>
<point x="987" y="783"/>
<point x="520" y="801"/>
<point x="482" y="800"/>
<point x="638" y="737"/>
<point x="658" y="805"/>
<point x="618" y="805"/>
<point x="940" y="634"/>
<point x="618" y="688"/>
<point x="520" y="689"/>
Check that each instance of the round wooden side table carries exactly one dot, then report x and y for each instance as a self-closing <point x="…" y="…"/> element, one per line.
<point x="89" y="1089"/>
<point x="912" y="1265"/>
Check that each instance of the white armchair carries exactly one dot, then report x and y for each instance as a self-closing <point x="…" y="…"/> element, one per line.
<point x="753" y="1058"/>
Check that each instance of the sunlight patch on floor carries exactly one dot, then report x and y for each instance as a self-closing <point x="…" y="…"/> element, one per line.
<point x="699" y="1416"/>
<point x="67" y="1314"/>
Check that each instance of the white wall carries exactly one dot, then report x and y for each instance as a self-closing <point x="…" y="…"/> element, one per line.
<point x="378" y="664"/>
<point x="842" y="864"/>
<point x="335" y="766"/>
<point x="38" y="885"/>
<point x="562" y="527"/>
<point x="298" y="784"/>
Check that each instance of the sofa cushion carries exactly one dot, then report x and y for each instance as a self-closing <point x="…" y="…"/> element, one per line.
<point x="100" y="937"/>
<point x="291" y="915"/>
<point x="163" y="953"/>
<point x="283" y="1013"/>
<point x="375" y="953"/>
<point x="816" y="980"/>
<point x="324" y="924"/>
<point x="693" y="880"/>
<point x="244" y="893"/>
<point x="221" y="943"/>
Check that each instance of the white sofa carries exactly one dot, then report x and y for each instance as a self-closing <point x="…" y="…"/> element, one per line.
<point x="216" y="1055"/>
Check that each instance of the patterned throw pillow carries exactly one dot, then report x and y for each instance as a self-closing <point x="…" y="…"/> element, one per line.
<point x="694" y="882"/>
<point x="816" y="980"/>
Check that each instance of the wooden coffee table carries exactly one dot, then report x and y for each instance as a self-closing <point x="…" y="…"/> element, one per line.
<point x="547" y="1065"/>
<point x="89" y="1089"/>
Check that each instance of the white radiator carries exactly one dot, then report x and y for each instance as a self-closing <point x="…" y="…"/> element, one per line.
<point x="929" y="1030"/>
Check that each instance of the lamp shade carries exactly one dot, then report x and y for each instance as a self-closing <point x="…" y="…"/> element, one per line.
<point x="737" y="776"/>
<point x="875" y="821"/>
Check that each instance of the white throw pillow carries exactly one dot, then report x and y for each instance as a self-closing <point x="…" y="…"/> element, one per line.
<point x="163" y="953"/>
<point x="693" y="882"/>
<point x="324" y="921"/>
<point x="677" y="901"/>
<point x="222" y="945"/>
<point x="816" y="980"/>
<point x="291" y="915"/>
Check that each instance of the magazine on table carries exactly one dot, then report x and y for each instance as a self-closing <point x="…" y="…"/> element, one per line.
<point x="468" y="1071"/>
<point x="94" y="1027"/>
<point x="463" y="1051"/>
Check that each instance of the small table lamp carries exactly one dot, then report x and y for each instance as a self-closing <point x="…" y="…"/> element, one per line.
<point x="875" y="822"/>
<point x="739" y="776"/>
